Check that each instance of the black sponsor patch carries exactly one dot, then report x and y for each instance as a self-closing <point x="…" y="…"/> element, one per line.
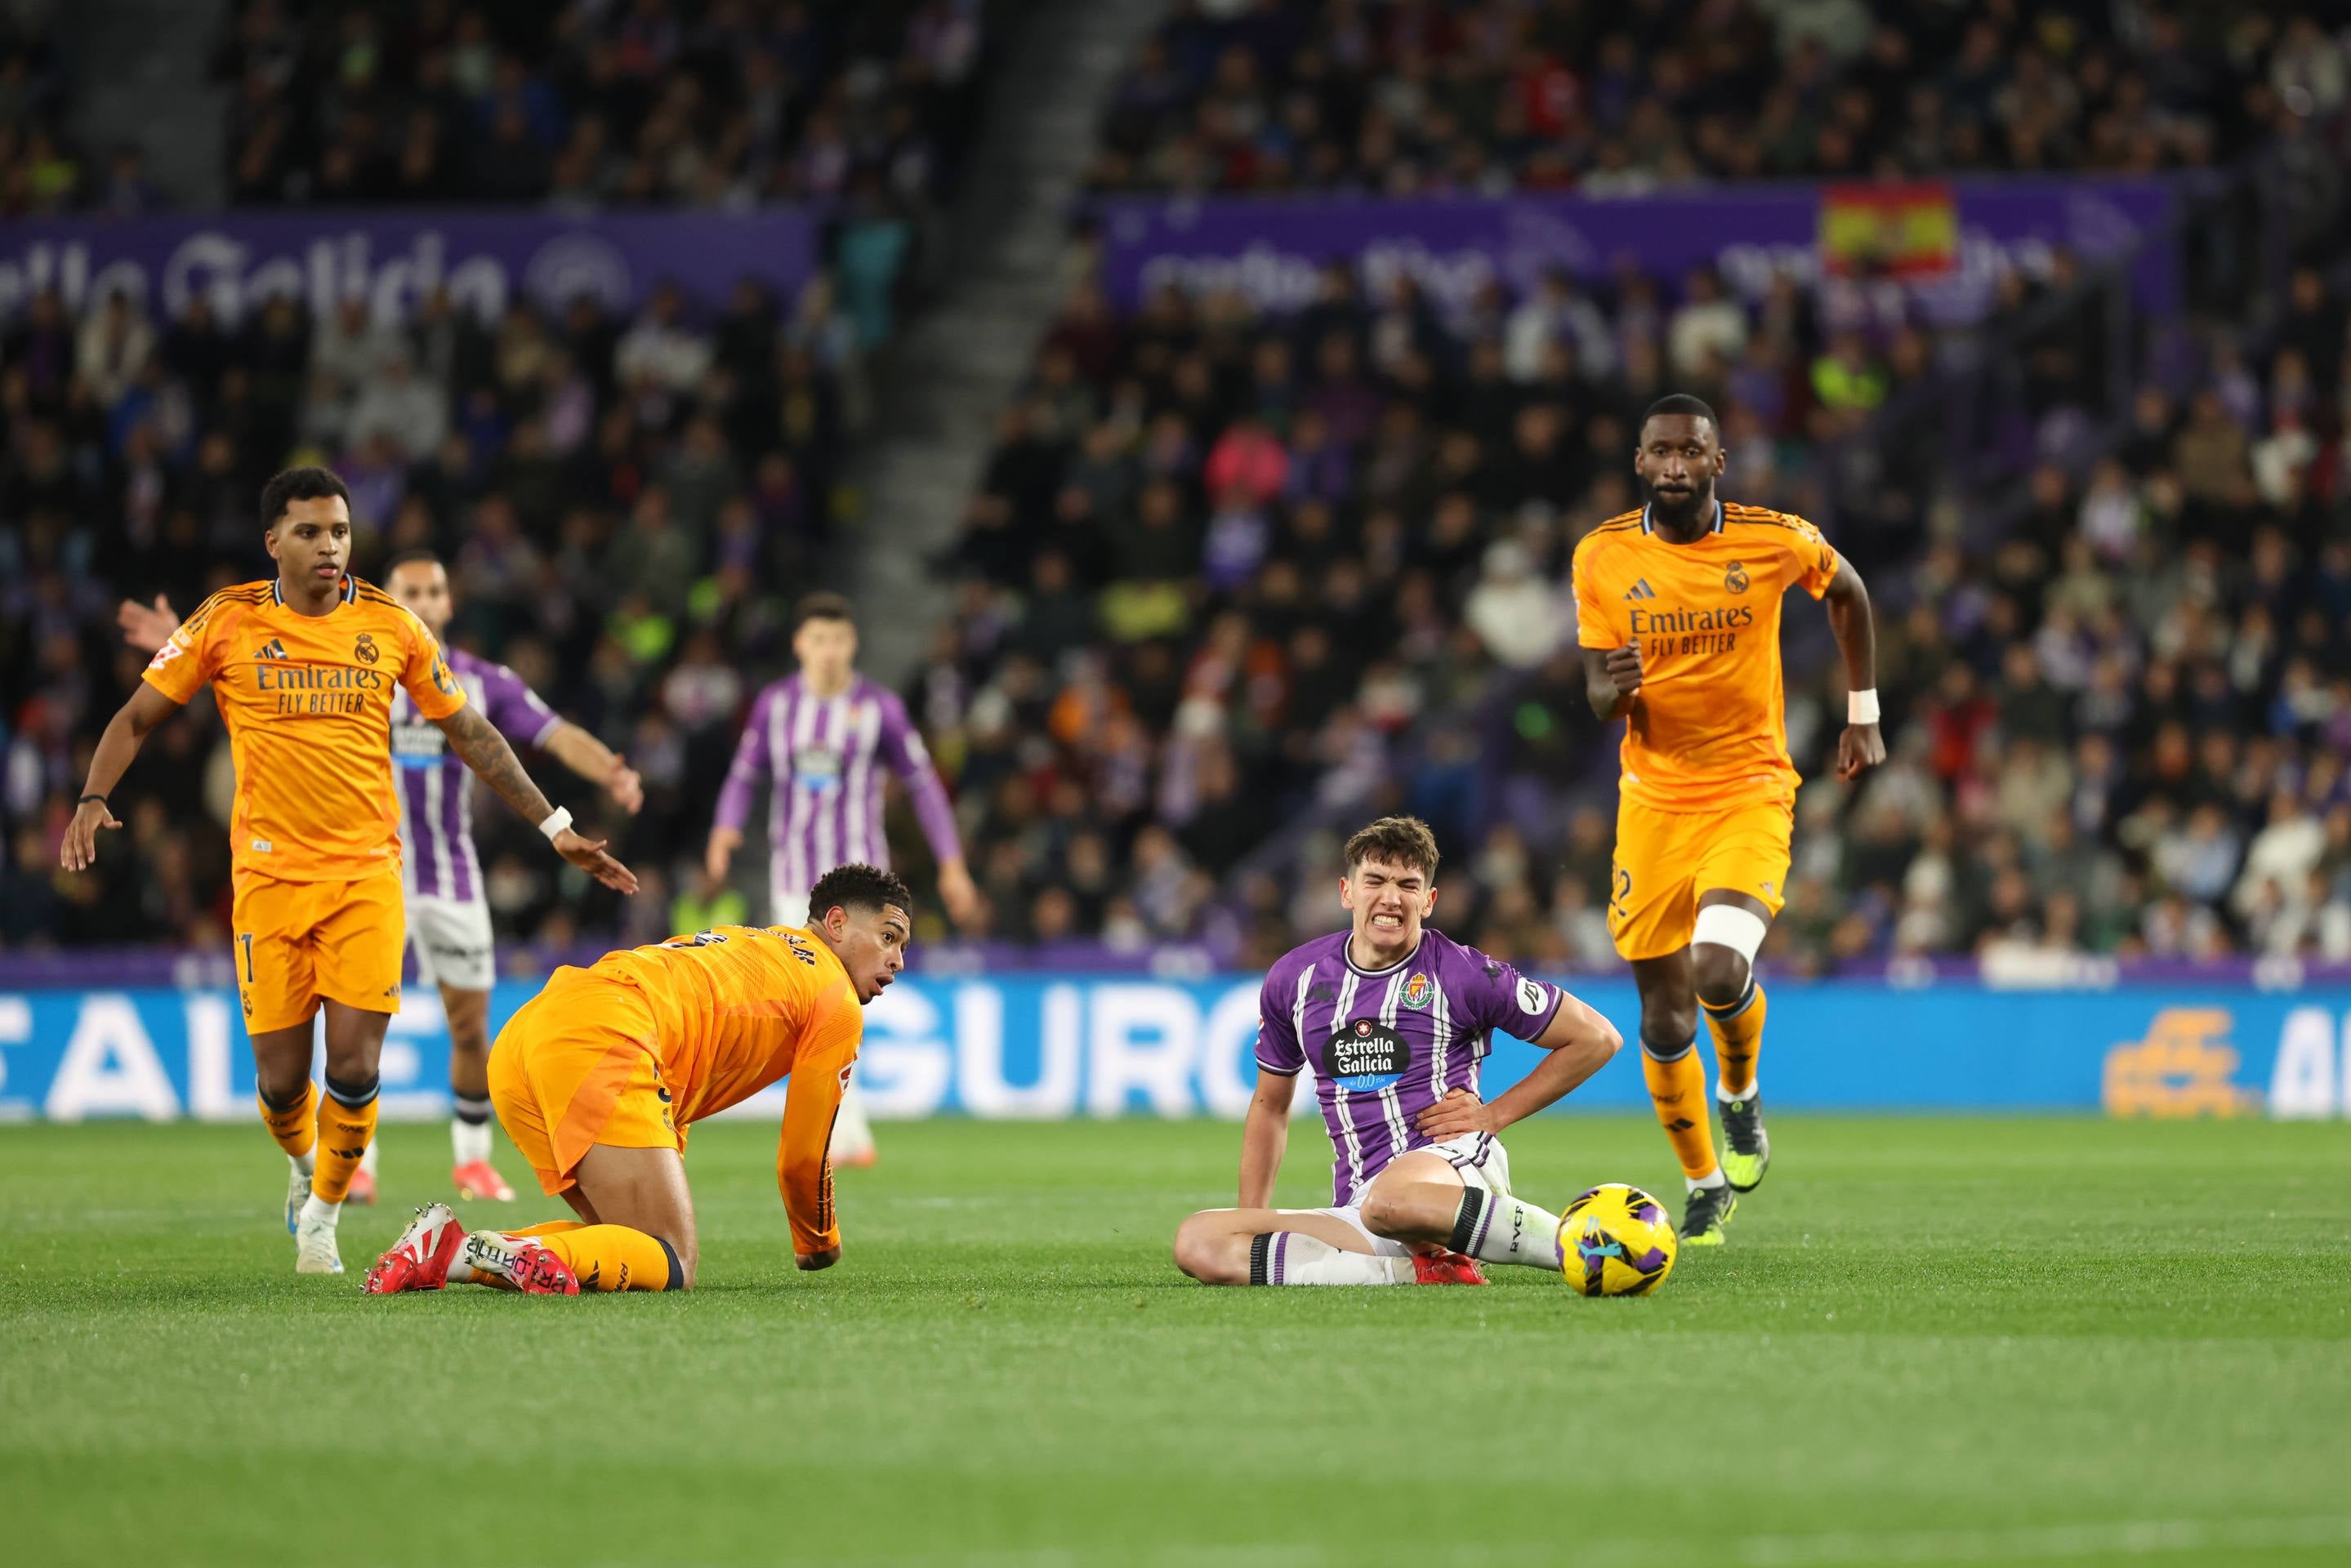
<point x="1364" y="1055"/>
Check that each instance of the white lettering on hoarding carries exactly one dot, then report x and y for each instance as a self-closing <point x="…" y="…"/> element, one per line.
<point x="110" y="1066"/>
<point x="1143" y="1038"/>
<point x="2311" y="1080"/>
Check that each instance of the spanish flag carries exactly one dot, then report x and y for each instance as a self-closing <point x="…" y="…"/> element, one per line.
<point x="1908" y="231"/>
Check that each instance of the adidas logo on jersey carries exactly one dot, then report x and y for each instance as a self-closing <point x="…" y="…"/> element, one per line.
<point x="272" y="649"/>
<point x="1641" y="590"/>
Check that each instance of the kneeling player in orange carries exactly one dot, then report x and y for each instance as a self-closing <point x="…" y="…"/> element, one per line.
<point x="598" y="1076"/>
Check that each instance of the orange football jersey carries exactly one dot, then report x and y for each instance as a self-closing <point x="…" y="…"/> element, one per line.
<point x="738" y="1008"/>
<point x="1708" y="728"/>
<point x="308" y="701"/>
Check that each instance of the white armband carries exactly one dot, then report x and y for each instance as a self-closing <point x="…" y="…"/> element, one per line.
<point x="556" y="821"/>
<point x="1861" y="707"/>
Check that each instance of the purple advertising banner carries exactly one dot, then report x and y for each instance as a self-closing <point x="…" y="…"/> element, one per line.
<point x="389" y="257"/>
<point x="1270" y="250"/>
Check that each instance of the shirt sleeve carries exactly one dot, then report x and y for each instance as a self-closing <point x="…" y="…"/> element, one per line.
<point x="911" y="761"/>
<point x="425" y="676"/>
<point x="189" y="657"/>
<point x="1519" y="1005"/>
<point x="1812" y="560"/>
<point x="1591" y="628"/>
<point x="751" y="767"/>
<point x="819" y="1076"/>
<point x="1277" y="1047"/>
<point x="519" y="713"/>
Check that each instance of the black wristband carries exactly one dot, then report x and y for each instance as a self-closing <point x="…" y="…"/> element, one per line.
<point x="87" y="798"/>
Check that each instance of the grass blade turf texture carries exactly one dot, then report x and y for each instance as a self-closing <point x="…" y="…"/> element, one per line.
<point x="1930" y="1340"/>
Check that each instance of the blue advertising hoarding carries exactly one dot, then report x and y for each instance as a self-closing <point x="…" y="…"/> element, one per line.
<point x="1042" y="1046"/>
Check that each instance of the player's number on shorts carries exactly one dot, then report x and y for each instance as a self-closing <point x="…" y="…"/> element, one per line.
<point x="1624" y="891"/>
<point x="699" y="940"/>
<point x="244" y="940"/>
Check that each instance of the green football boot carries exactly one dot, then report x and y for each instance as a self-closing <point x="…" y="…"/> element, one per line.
<point x="1708" y="1211"/>
<point x="1747" y="1148"/>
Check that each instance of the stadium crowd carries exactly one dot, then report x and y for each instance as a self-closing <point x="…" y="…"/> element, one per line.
<point x="1232" y="579"/>
<point x="624" y="506"/>
<point x="1489" y="95"/>
<point x="591" y="104"/>
<point x="1227" y="569"/>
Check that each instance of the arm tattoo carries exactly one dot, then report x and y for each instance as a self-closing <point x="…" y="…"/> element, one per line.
<point x="484" y="751"/>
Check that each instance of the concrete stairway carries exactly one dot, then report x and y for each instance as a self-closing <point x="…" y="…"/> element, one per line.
<point x="952" y="372"/>
<point x="140" y="70"/>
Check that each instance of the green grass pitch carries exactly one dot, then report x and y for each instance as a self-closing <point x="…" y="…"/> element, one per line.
<point x="1930" y="1341"/>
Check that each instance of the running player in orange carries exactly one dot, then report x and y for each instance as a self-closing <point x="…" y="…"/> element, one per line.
<point x="303" y="668"/>
<point x="600" y="1075"/>
<point x="1677" y="609"/>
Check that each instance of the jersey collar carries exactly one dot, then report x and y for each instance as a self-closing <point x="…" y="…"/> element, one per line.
<point x="1647" y="527"/>
<point x="1347" y="957"/>
<point x="350" y="589"/>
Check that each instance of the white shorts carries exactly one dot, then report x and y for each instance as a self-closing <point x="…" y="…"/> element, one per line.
<point x="453" y="942"/>
<point x="786" y="908"/>
<point x="1478" y="1156"/>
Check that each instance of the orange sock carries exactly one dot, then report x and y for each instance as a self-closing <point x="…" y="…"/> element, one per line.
<point x="346" y="1128"/>
<point x="1677" y="1089"/>
<point x="1738" y="1032"/>
<point x="547" y="1227"/>
<point x="295" y="1127"/>
<point x="613" y="1257"/>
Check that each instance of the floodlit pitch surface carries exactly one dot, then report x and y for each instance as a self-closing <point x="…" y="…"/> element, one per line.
<point x="1930" y="1340"/>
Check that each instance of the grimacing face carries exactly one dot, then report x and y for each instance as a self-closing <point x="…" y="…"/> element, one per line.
<point x="1388" y="902"/>
<point x="423" y="588"/>
<point x="870" y="943"/>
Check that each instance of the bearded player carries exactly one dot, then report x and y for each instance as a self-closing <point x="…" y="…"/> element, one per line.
<point x="821" y="738"/>
<point x="598" y="1077"/>
<point x="303" y="668"/>
<point x="1677" y="609"/>
<point x="448" y="908"/>
<point x="1395" y="1018"/>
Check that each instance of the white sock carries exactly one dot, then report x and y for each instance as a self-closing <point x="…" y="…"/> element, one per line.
<point x="1294" y="1258"/>
<point x="306" y="1162"/>
<point x="1495" y="1228"/>
<point x="469" y="1130"/>
<point x="1727" y="1097"/>
<point x="852" y="1132"/>
<point x="367" y="1160"/>
<point x="316" y="1210"/>
<point x="1712" y="1178"/>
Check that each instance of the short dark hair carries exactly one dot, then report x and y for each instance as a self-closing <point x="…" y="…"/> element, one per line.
<point x="820" y="607"/>
<point x="410" y="557"/>
<point x="859" y="887"/>
<point x="1399" y="841"/>
<point x="300" y="485"/>
<point x="1676" y="404"/>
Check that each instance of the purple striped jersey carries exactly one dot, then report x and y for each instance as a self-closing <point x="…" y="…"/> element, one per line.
<point x="817" y="755"/>
<point x="1388" y="1044"/>
<point x="436" y="811"/>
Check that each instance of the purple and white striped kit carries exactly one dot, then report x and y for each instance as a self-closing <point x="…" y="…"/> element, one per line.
<point x="1388" y="1044"/>
<point x="822" y="758"/>
<point x="436" y="813"/>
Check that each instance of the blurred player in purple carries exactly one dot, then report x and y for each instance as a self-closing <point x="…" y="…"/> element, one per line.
<point x="1395" y="1019"/>
<point x="448" y="915"/>
<point x="819" y="739"/>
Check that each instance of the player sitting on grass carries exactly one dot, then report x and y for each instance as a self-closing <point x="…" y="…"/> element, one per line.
<point x="598" y="1078"/>
<point x="1396" y="1019"/>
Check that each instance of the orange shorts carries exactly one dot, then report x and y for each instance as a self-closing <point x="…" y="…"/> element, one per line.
<point x="1666" y="859"/>
<point x="576" y="1068"/>
<point x="299" y="943"/>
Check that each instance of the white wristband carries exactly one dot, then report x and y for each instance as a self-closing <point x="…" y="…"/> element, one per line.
<point x="556" y="821"/>
<point x="1861" y="707"/>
